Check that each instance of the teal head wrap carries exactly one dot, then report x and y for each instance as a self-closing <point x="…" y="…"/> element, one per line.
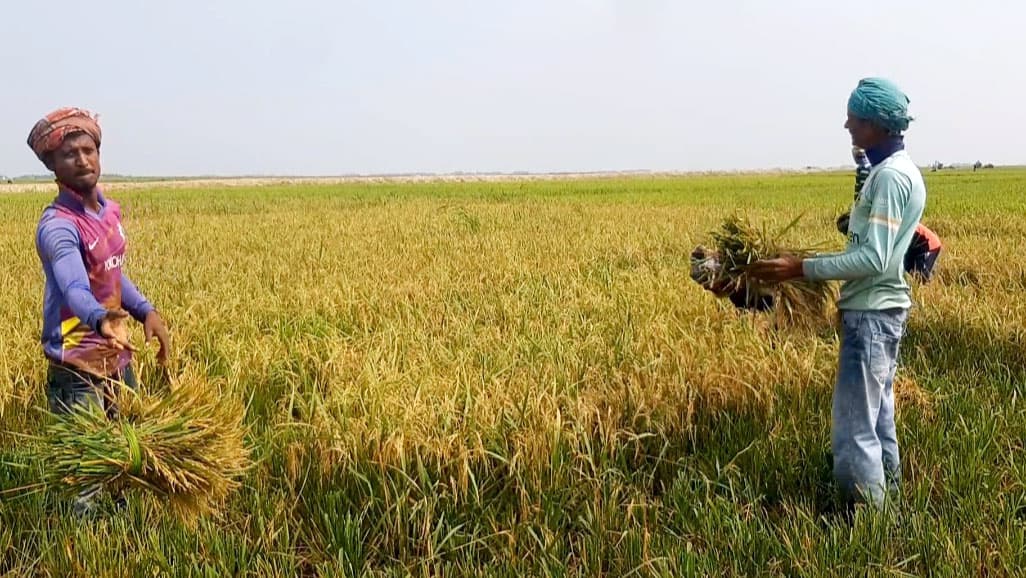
<point x="882" y="102"/>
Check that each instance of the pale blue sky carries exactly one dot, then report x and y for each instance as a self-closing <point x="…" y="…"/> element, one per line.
<point x="320" y="87"/>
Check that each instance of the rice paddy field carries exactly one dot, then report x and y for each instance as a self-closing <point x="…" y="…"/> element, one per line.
<point x="521" y="379"/>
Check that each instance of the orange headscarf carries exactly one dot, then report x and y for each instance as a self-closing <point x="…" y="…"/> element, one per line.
<point x="50" y="131"/>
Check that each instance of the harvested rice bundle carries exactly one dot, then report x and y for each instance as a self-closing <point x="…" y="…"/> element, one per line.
<point x="738" y="245"/>
<point x="186" y="447"/>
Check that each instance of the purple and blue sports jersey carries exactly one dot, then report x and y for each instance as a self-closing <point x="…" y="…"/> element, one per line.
<point x="82" y="254"/>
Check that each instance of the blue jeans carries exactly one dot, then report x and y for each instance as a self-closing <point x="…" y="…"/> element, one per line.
<point x="68" y="388"/>
<point x="863" y="436"/>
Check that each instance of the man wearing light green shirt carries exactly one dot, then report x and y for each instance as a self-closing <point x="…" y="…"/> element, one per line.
<point x="882" y="223"/>
<point x="875" y="297"/>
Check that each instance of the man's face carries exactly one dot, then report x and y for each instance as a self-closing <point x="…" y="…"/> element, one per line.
<point x="76" y="164"/>
<point x="864" y="134"/>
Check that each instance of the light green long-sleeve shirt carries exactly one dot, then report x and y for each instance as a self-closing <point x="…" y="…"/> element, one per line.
<point x="883" y="221"/>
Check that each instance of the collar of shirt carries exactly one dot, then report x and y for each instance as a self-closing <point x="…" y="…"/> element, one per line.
<point x="73" y="200"/>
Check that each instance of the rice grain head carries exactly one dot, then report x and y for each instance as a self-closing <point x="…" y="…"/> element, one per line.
<point x="740" y="244"/>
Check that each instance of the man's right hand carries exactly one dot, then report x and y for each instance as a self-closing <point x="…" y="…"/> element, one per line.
<point x="113" y="328"/>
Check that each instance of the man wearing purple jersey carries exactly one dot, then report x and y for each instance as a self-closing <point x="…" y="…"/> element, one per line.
<point x="87" y="298"/>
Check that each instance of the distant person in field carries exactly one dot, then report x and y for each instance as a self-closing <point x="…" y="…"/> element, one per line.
<point x="875" y="297"/>
<point x="87" y="298"/>
<point x="926" y="245"/>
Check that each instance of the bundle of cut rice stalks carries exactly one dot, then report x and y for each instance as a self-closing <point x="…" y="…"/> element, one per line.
<point x="185" y="446"/>
<point x="739" y="244"/>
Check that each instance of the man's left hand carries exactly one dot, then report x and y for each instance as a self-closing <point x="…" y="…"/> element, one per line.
<point x="783" y="268"/>
<point x="154" y="326"/>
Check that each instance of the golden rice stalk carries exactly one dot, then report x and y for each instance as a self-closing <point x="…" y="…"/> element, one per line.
<point x="186" y="447"/>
